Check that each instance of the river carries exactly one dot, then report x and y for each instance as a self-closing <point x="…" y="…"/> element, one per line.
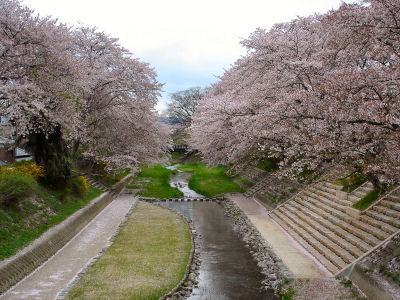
<point x="227" y="270"/>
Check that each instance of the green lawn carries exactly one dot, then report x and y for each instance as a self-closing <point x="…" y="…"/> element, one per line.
<point x="154" y="182"/>
<point x="147" y="259"/>
<point x="210" y="181"/>
<point x="366" y="201"/>
<point x="19" y="225"/>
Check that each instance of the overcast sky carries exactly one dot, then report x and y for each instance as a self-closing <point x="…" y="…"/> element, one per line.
<point x="188" y="42"/>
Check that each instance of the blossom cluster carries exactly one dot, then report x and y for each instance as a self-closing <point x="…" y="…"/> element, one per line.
<point x="81" y="81"/>
<point x="316" y="91"/>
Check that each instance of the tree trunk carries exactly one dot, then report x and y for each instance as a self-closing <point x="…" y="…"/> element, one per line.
<point x="371" y="177"/>
<point x="50" y="152"/>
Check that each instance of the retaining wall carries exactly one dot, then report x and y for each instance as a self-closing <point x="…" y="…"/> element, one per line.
<point x="367" y="276"/>
<point x="15" y="268"/>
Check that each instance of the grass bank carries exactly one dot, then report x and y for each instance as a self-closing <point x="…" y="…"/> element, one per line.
<point x="147" y="259"/>
<point x="210" y="181"/>
<point x="154" y="182"/>
<point x="20" y="224"/>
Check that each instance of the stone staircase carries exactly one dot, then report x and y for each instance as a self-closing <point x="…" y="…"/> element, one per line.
<point x="322" y="220"/>
<point x="100" y="186"/>
<point x="260" y="184"/>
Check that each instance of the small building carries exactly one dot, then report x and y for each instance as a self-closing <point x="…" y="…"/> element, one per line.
<point x="21" y="154"/>
<point x="8" y="150"/>
<point x="9" y="153"/>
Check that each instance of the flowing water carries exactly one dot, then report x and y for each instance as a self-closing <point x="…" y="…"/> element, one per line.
<point x="180" y="181"/>
<point x="227" y="270"/>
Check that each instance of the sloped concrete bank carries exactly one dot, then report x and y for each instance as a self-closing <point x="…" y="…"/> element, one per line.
<point x="15" y="268"/>
<point x="375" y="274"/>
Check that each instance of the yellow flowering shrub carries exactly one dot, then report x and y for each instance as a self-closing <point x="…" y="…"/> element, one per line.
<point x="79" y="185"/>
<point x="24" y="167"/>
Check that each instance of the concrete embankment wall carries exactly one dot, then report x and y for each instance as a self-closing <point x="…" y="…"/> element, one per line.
<point x="366" y="273"/>
<point x="370" y="287"/>
<point x="15" y="268"/>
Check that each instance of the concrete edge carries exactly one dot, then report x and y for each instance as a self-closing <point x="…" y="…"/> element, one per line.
<point x="368" y="285"/>
<point x="25" y="261"/>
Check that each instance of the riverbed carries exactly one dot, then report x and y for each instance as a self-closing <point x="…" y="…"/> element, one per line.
<point x="227" y="269"/>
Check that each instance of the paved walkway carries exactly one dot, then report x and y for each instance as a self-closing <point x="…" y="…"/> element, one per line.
<point x="293" y="255"/>
<point x="55" y="275"/>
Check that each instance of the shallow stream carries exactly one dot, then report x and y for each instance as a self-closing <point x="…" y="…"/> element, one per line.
<point x="180" y="181"/>
<point x="227" y="270"/>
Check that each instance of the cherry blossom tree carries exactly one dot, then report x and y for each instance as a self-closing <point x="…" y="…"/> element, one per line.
<point x="316" y="91"/>
<point x="65" y="88"/>
<point x="119" y="115"/>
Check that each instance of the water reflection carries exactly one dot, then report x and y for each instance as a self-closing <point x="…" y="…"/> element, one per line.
<point x="227" y="270"/>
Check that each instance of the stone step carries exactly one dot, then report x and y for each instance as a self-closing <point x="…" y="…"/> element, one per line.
<point x="313" y="243"/>
<point x="394" y="198"/>
<point x="329" y="209"/>
<point x="385" y="210"/>
<point x="331" y="195"/>
<point x="391" y="205"/>
<point x="326" y="201"/>
<point x="338" y="204"/>
<point x="322" y="217"/>
<point x="351" y="249"/>
<point x="353" y="199"/>
<point x="323" y="188"/>
<point x="385" y="215"/>
<point x="359" y="194"/>
<point x="322" y="259"/>
<point x="351" y="220"/>
<point x="379" y="224"/>
<point x="344" y="221"/>
<point x="380" y="234"/>
<point x="325" y="241"/>
<point x="333" y="186"/>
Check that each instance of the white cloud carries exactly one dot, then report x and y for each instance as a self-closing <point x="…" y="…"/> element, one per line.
<point x="196" y="36"/>
<point x="185" y="32"/>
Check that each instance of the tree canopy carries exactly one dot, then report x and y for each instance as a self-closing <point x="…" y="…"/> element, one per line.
<point x="77" y="85"/>
<point x="316" y="91"/>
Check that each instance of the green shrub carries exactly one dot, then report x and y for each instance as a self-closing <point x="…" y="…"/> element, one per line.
<point x="78" y="185"/>
<point x="15" y="186"/>
<point x="24" y="167"/>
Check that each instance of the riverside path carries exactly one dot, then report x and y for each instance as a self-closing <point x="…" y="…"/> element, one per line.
<point x="293" y="255"/>
<point x="61" y="269"/>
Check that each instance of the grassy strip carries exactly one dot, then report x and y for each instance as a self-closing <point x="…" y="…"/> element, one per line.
<point x="210" y="181"/>
<point x="154" y="182"/>
<point x="366" y="201"/>
<point x="19" y="225"/>
<point x="147" y="259"/>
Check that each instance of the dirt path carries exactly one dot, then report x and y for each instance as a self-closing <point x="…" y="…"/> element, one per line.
<point x="293" y="255"/>
<point x="55" y="275"/>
